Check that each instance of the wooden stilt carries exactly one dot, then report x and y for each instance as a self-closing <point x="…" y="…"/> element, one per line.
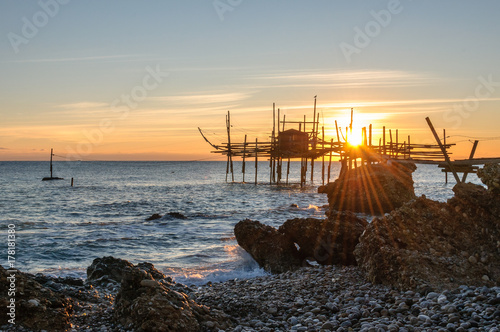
<point x="330" y="162"/>
<point x="229" y="154"/>
<point x="370" y="138"/>
<point x="323" y="155"/>
<point x="472" y="153"/>
<point x="287" y="170"/>
<point x="384" y="142"/>
<point x="256" y="161"/>
<point x="244" y="155"/>
<point x="397" y="143"/>
<point x="391" y="153"/>
<point x="443" y="149"/>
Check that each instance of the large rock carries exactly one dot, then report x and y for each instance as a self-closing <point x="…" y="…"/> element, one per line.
<point x="145" y="304"/>
<point x="107" y="266"/>
<point x="36" y="307"/>
<point x="431" y="245"/>
<point x="274" y="251"/>
<point x="490" y="175"/>
<point x="112" y="268"/>
<point x="329" y="241"/>
<point x="374" y="189"/>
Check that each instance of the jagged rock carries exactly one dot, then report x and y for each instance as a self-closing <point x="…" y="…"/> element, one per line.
<point x="113" y="268"/>
<point x="274" y="251"/>
<point x="374" y="189"/>
<point x="431" y="245"/>
<point x="329" y="241"/>
<point x="36" y="307"/>
<point x="149" y="268"/>
<point x="490" y="176"/>
<point x="176" y="215"/>
<point x="155" y="216"/>
<point x="107" y="266"/>
<point x="145" y="304"/>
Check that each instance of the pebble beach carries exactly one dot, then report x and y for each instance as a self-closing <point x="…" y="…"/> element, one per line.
<point x="326" y="298"/>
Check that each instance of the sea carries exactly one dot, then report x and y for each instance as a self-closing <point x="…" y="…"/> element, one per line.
<point x="60" y="229"/>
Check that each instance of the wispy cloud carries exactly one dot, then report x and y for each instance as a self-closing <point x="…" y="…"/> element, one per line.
<point x="84" y="105"/>
<point x="3" y="148"/>
<point x="346" y="79"/>
<point x="208" y="98"/>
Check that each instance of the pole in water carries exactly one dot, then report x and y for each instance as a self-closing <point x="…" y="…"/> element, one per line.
<point x="72" y="182"/>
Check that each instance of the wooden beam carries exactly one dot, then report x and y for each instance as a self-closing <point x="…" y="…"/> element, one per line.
<point x="443" y="149"/>
<point x="472" y="153"/>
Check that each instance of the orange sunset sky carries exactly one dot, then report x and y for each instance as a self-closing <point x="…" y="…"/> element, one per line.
<point x="128" y="80"/>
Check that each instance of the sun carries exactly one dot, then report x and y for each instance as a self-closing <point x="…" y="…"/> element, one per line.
<point x="355" y="139"/>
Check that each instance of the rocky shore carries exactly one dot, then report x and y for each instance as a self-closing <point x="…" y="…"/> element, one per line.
<point x="322" y="298"/>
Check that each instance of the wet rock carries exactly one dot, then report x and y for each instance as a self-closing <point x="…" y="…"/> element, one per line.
<point x="328" y="241"/>
<point x="144" y="304"/>
<point x="490" y="176"/>
<point x="154" y="217"/>
<point x="149" y="268"/>
<point x="36" y="307"/>
<point x="272" y="250"/>
<point x="107" y="266"/>
<point x="374" y="189"/>
<point x="176" y="215"/>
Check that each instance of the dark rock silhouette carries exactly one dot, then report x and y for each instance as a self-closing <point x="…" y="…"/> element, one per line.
<point x="274" y="251"/>
<point x="146" y="304"/>
<point x="431" y="245"/>
<point x="328" y="241"/>
<point x="36" y="307"/>
<point x="176" y="215"/>
<point x="155" y="216"/>
<point x="374" y="189"/>
<point x="107" y="266"/>
<point x="490" y="176"/>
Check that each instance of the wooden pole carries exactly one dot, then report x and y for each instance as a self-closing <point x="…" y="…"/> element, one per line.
<point x="384" y="142"/>
<point x="230" y="155"/>
<point x="271" y="157"/>
<point x="337" y="128"/>
<point x="72" y="182"/>
<point x="397" y="143"/>
<point x="330" y="162"/>
<point x="472" y="153"/>
<point x="443" y="149"/>
<point x="244" y="153"/>
<point x="284" y="121"/>
<point x="323" y="155"/>
<point x="51" y="154"/>
<point x="390" y="146"/>
<point x="352" y="118"/>
<point x="287" y="170"/>
<point x="228" y="150"/>
<point x="370" y="139"/>
<point x="314" y="119"/>
<point x="256" y="161"/>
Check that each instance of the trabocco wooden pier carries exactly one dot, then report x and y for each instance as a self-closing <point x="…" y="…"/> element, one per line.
<point x="304" y="140"/>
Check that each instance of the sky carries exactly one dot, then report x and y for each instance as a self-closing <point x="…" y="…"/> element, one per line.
<point x="133" y="80"/>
